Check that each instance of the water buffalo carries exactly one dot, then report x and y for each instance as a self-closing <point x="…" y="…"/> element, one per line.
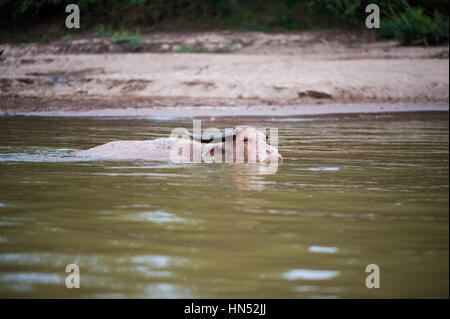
<point x="241" y="144"/>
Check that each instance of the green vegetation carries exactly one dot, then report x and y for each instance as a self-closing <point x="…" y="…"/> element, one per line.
<point x="412" y="25"/>
<point x="133" y="39"/>
<point x="44" y="38"/>
<point x="406" y="20"/>
<point x="226" y="48"/>
<point x="182" y="48"/>
<point x="197" y="49"/>
<point x="102" y="32"/>
<point x="67" y="38"/>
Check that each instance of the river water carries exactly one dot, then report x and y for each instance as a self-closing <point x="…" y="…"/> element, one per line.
<point x="353" y="190"/>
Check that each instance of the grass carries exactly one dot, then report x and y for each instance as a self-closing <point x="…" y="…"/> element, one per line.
<point x="44" y="38"/>
<point x="227" y="48"/>
<point x="67" y="38"/>
<point x="133" y="39"/>
<point x="102" y="32"/>
<point x="198" y="48"/>
<point x="183" y="48"/>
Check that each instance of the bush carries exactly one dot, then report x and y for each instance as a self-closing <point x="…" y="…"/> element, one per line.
<point x="413" y="26"/>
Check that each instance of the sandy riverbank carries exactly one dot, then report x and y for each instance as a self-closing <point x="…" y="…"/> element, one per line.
<point x="306" y="69"/>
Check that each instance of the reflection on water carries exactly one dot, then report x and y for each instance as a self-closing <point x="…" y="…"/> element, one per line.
<point x="321" y="249"/>
<point x="161" y="217"/>
<point x="352" y="190"/>
<point x="35" y="154"/>
<point x="308" y="274"/>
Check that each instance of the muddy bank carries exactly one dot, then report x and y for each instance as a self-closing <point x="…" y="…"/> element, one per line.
<point x="269" y="69"/>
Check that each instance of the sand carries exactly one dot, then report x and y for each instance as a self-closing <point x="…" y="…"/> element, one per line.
<point x="304" y="73"/>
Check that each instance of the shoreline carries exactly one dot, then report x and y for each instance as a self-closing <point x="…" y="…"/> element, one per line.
<point x="182" y="112"/>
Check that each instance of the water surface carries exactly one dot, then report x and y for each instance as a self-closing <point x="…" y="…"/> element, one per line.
<point x="353" y="190"/>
